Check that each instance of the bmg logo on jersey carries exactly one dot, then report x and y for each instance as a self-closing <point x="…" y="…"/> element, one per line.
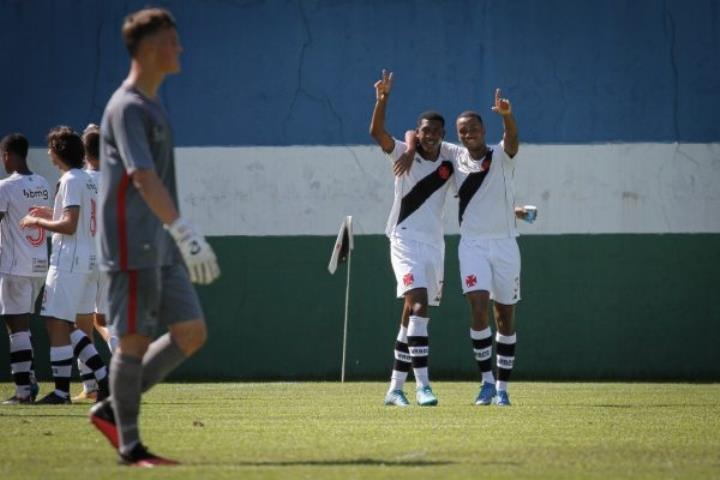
<point x="33" y="194"/>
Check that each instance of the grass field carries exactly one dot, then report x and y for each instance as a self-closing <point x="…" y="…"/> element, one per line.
<point x="335" y="431"/>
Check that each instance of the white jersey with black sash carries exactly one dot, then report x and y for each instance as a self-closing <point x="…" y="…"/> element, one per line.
<point x="420" y="194"/>
<point x="485" y="193"/>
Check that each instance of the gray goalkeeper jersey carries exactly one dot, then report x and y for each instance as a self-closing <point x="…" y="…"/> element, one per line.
<point x="135" y="134"/>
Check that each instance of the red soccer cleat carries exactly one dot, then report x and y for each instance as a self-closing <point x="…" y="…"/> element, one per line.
<point x="103" y="418"/>
<point x="139" y="456"/>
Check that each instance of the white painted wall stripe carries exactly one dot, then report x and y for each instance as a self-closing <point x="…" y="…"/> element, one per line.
<point x="303" y="190"/>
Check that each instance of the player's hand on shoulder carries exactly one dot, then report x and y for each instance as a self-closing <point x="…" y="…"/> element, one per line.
<point x="403" y="164"/>
<point x="383" y="86"/>
<point x="502" y="105"/>
<point x="196" y="252"/>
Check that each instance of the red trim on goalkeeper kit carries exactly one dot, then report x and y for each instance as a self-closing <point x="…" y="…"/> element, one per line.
<point x="132" y="303"/>
<point x="122" y="220"/>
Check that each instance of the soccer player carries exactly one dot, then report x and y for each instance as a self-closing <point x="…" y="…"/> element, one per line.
<point x="91" y="141"/>
<point x="417" y="246"/>
<point x="143" y="240"/>
<point x="23" y="260"/>
<point x="488" y="251"/>
<point x="69" y="287"/>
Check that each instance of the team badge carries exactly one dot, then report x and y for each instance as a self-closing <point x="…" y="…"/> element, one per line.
<point x="470" y="280"/>
<point x="408" y="279"/>
<point x="443" y="172"/>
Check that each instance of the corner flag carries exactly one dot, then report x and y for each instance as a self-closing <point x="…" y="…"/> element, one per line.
<point x="343" y="245"/>
<point x="342" y="252"/>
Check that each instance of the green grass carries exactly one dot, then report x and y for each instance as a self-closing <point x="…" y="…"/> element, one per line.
<point x="334" y="431"/>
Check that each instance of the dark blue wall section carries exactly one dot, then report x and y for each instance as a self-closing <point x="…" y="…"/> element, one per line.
<point x="301" y="72"/>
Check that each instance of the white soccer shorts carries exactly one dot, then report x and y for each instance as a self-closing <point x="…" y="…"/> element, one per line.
<point x="102" y="280"/>
<point x="418" y="265"/>
<point x="68" y="294"/>
<point x="18" y="293"/>
<point x="492" y="265"/>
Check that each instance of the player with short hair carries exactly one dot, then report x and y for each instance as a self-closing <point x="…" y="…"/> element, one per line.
<point x="143" y="240"/>
<point x="417" y="246"/>
<point x="69" y="288"/>
<point x="23" y="260"/>
<point x="91" y="141"/>
<point x="488" y="251"/>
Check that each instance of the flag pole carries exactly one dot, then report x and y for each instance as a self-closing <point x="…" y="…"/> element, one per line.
<point x="345" y="324"/>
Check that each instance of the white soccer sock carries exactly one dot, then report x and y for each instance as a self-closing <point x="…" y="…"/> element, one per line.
<point x="482" y="347"/>
<point x="402" y="363"/>
<point x="419" y="348"/>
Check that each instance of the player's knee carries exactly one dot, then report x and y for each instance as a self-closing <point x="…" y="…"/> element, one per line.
<point x="189" y="336"/>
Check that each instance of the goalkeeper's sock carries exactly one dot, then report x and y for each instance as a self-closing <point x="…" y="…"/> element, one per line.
<point x="401" y="366"/>
<point x="505" y="358"/>
<point x="482" y="348"/>
<point x="419" y="348"/>
<point x="162" y="357"/>
<point x="125" y="379"/>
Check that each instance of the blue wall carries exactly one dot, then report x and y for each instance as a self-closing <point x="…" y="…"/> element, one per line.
<point x="301" y="72"/>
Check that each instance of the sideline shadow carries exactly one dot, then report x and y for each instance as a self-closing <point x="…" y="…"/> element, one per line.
<point x="330" y="463"/>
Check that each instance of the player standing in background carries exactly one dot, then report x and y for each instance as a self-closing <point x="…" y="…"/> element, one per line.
<point x="69" y="286"/>
<point x="488" y="251"/>
<point x="91" y="141"/>
<point x="143" y="240"/>
<point x="417" y="245"/>
<point x="23" y="260"/>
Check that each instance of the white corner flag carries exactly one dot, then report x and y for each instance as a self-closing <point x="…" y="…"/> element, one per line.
<point x="342" y="251"/>
<point x="343" y="245"/>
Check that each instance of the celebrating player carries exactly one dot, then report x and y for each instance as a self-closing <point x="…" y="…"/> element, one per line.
<point x="417" y="246"/>
<point x="488" y="251"/>
<point x="139" y="219"/>
<point x="69" y="287"/>
<point x="91" y="141"/>
<point x="23" y="260"/>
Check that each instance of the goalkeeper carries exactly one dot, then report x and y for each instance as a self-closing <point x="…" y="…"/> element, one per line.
<point x="150" y="252"/>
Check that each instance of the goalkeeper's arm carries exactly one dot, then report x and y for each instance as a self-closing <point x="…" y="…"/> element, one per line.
<point x="196" y="252"/>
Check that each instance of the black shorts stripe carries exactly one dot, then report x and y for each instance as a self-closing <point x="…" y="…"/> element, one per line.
<point x="418" y="341"/>
<point x="21" y="356"/>
<point x="424" y="190"/>
<point x="470" y="187"/>
<point x="505" y="350"/>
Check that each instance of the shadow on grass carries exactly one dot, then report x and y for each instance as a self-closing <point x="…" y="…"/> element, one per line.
<point x="330" y="463"/>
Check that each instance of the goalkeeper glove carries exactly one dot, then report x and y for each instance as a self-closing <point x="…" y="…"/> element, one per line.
<point x="197" y="253"/>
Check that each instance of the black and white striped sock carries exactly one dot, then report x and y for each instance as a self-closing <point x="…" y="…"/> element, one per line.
<point x="482" y="348"/>
<point x="85" y="351"/>
<point x="21" y="358"/>
<point x="87" y="376"/>
<point x="419" y="347"/>
<point x="504" y="358"/>
<point x="402" y="363"/>
<point x="61" y="359"/>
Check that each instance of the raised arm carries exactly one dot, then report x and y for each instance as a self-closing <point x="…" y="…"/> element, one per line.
<point x="377" y="123"/>
<point x="510" y="137"/>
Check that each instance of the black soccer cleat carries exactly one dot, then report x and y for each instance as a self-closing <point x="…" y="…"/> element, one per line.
<point x="53" y="398"/>
<point x="139" y="456"/>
